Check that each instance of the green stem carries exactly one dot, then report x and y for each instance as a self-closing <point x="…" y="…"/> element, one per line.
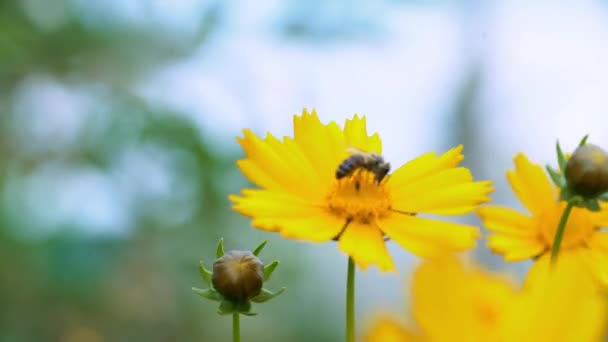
<point x="236" y="327"/>
<point x="350" y="301"/>
<point x="559" y="234"/>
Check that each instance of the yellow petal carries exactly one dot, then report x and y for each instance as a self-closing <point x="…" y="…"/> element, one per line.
<point x="316" y="227"/>
<point x="355" y="133"/>
<point x="514" y="248"/>
<point x="531" y="185"/>
<point x="448" y="192"/>
<point x="386" y="329"/>
<point x="454" y="304"/>
<point x="424" y="165"/>
<point x="276" y="166"/>
<point x="291" y="216"/>
<point x="599" y="241"/>
<point x="600" y="218"/>
<point x="365" y="244"/>
<point x="427" y="237"/>
<point x="507" y="221"/>
<point x="323" y="145"/>
<point x="559" y="303"/>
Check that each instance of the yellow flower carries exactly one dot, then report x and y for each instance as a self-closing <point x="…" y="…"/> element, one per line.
<point x="300" y="197"/>
<point x="519" y="236"/>
<point x="453" y="303"/>
<point x="560" y="303"/>
<point x="450" y="303"/>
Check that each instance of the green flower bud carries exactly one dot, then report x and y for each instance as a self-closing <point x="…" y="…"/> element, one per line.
<point x="587" y="171"/>
<point x="238" y="275"/>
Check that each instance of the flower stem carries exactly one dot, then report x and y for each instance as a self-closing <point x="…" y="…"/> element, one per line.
<point x="559" y="234"/>
<point x="350" y="301"/>
<point x="236" y="327"/>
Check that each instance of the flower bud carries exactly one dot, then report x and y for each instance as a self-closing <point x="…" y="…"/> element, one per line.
<point x="238" y="275"/>
<point x="587" y="171"/>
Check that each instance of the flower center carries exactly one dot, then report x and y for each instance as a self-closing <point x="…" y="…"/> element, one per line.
<point x="578" y="229"/>
<point x="358" y="197"/>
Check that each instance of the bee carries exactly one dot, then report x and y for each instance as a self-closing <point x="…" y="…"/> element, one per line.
<point x="369" y="161"/>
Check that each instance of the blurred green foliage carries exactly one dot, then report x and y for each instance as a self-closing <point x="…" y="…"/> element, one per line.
<point x="63" y="281"/>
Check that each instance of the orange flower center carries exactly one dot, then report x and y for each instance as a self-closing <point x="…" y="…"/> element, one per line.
<point x="578" y="229"/>
<point x="358" y="197"/>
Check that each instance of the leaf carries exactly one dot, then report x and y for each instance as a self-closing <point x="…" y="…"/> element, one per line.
<point x="266" y="295"/>
<point x="220" y="249"/>
<point x="206" y="275"/>
<point x="269" y="269"/>
<point x="259" y="248"/>
<point x="603" y="197"/>
<point x="584" y="140"/>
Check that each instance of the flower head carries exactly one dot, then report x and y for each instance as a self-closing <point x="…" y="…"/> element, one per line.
<point x="587" y="171"/>
<point x="238" y="275"/>
<point x="519" y="236"/>
<point x="306" y="192"/>
<point x="451" y="302"/>
<point x="237" y="280"/>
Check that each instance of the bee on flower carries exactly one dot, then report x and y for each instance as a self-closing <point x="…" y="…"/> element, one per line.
<point x="329" y="182"/>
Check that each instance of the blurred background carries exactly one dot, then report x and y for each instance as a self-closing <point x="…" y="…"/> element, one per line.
<point x="118" y="121"/>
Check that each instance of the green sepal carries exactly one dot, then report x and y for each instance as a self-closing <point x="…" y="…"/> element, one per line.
<point x="592" y="204"/>
<point x="603" y="197"/>
<point x="266" y="295"/>
<point x="584" y="140"/>
<point x="556" y="177"/>
<point x="220" y="249"/>
<point x="226" y="308"/>
<point x="561" y="158"/>
<point x="268" y="269"/>
<point x="578" y="201"/>
<point x="259" y="248"/>
<point x="206" y="275"/>
<point x="210" y="294"/>
<point x="566" y="194"/>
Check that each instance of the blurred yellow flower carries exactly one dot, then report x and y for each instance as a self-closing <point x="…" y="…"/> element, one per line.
<point x="453" y="303"/>
<point x="300" y="197"/>
<point x="518" y="236"/>
<point x="560" y="303"/>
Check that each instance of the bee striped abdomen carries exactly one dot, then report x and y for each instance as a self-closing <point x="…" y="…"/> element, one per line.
<point x="349" y="165"/>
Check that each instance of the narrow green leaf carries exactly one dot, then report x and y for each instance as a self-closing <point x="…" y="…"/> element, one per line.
<point x="249" y="313"/>
<point x="561" y="159"/>
<point x="266" y="295"/>
<point x="259" y="248"/>
<point x="206" y="275"/>
<point x="268" y="269"/>
<point x="584" y="140"/>
<point x="556" y="176"/>
<point x="220" y="249"/>
<point x="208" y="294"/>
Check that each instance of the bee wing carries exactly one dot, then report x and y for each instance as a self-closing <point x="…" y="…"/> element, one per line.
<point x="353" y="150"/>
